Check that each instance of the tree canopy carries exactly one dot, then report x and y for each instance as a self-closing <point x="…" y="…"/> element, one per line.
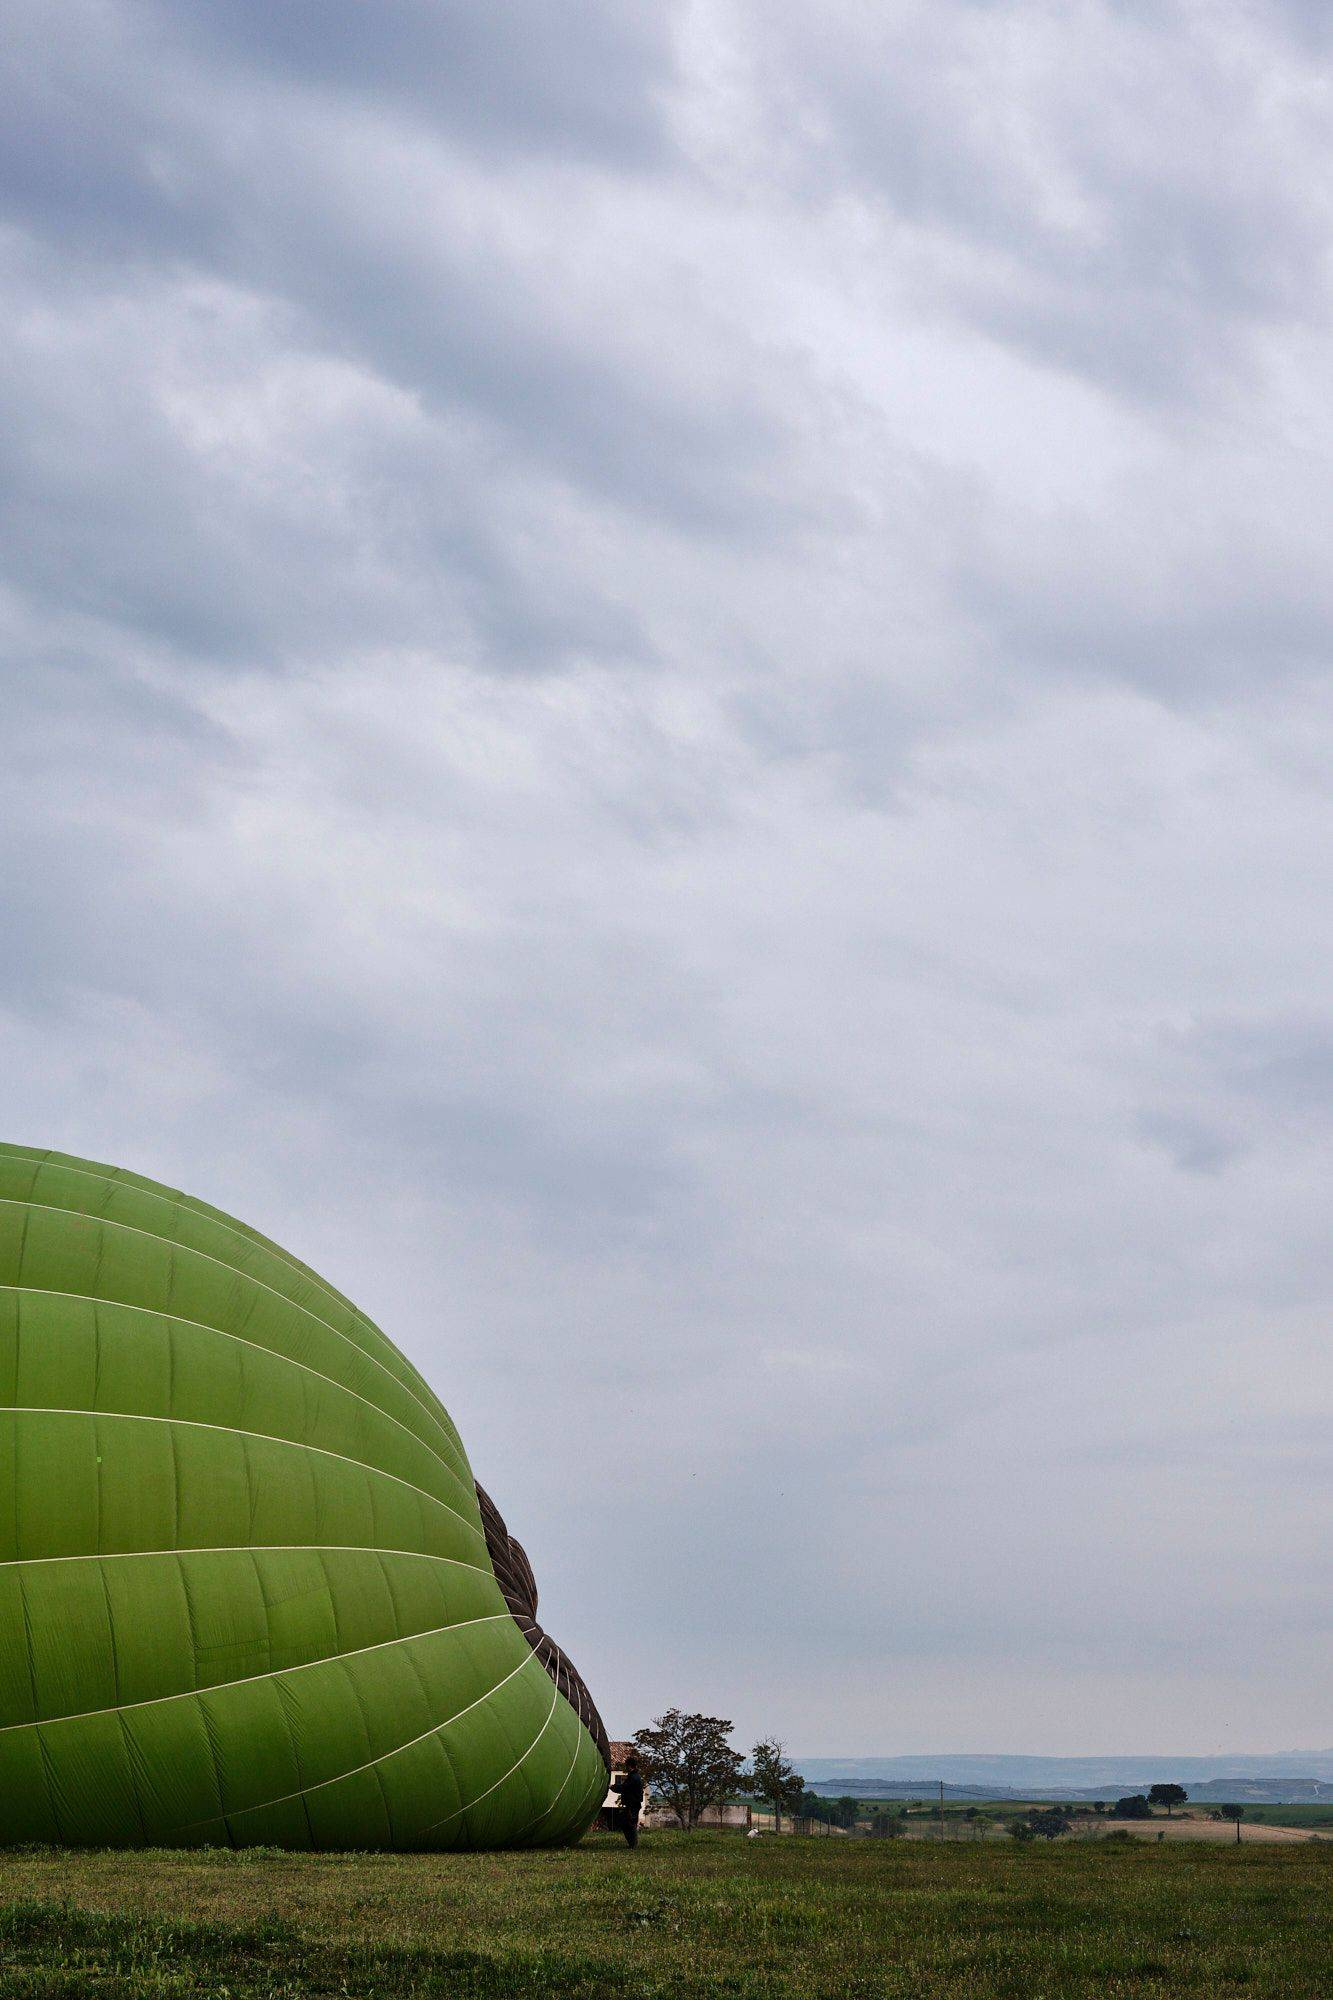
<point x="774" y="1780"/>
<point x="690" y="1763"/>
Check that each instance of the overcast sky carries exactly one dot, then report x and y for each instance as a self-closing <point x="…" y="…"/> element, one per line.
<point x="666" y="700"/>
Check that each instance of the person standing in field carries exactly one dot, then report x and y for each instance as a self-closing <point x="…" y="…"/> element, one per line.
<point x="630" y="1788"/>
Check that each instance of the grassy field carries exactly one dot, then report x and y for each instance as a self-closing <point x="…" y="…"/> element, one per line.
<point x="714" y="1917"/>
<point x="1316" y="1818"/>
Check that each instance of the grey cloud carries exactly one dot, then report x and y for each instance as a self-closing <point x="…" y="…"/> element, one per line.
<point x="1113" y="190"/>
<point x="672" y="709"/>
<point x="178" y="168"/>
<point x="1307" y="20"/>
<point x="1196" y="1147"/>
<point x="586" y="80"/>
<point x="1283" y="1068"/>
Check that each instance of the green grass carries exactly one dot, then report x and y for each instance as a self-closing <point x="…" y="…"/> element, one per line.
<point x="713" y="1917"/>
<point x="1316" y="1817"/>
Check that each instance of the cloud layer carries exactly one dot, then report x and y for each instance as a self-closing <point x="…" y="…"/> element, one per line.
<point x="666" y="700"/>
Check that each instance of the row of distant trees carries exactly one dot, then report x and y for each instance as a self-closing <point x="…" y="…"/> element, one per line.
<point x="1049" y="1822"/>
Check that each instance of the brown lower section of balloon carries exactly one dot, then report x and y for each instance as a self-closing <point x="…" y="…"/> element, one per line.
<point x="518" y="1587"/>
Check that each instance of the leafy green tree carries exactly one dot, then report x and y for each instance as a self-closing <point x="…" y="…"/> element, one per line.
<point x="1136" y="1807"/>
<point x="1048" y="1822"/>
<point x="690" y="1763"/>
<point x="775" y="1781"/>
<point x="1234" y="1812"/>
<point x="1168" y="1796"/>
<point x="1022" y="1829"/>
<point x="846" y="1812"/>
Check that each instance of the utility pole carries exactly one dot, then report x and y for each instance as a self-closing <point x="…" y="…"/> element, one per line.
<point x="941" y="1808"/>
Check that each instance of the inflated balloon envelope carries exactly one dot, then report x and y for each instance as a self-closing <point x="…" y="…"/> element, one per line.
<point x="249" y="1589"/>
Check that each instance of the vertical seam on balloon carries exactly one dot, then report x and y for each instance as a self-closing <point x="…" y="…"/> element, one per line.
<point x="268" y="1609"/>
<point x="388" y="1589"/>
<point x="18" y="1481"/>
<point x="175" y="1320"/>
<point x="97" y="1261"/>
<point x="188" y="1595"/>
<point x="52" y="1790"/>
<point x="109" y="1222"/>
<point x="311" y="1500"/>
<point x="251" y="1496"/>
<point x="205" y="1719"/>
<point x="176" y="1492"/>
<point x="18" y="1344"/>
<point x="23" y="1241"/>
<point x="372" y="1515"/>
<point x="133" y="1764"/>
<point x="97" y="1484"/>
<point x="111" y="1635"/>
<point x="171" y="1364"/>
<point x="234" y="1430"/>
<point x="97" y="1357"/>
<point x="27" y="1641"/>
<point x="333" y="1604"/>
<point x="284" y="1709"/>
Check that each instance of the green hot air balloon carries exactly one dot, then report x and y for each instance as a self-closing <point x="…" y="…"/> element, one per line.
<point x="249" y="1589"/>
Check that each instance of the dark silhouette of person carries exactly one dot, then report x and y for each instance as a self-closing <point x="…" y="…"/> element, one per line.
<point x="630" y="1787"/>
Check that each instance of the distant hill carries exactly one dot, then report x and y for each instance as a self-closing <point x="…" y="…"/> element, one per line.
<point x="1283" y="1778"/>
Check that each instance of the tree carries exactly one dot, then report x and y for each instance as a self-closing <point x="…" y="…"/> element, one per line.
<point x="1136" y="1807"/>
<point x="690" y="1764"/>
<point x="1021" y="1829"/>
<point x="846" y="1811"/>
<point x="1237" y="1813"/>
<point x="1099" y="1805"/>
<point x="1168" y="1796"/>
<point x="775" y="1781"/>
<point x="812" y="1806"/>
<point x="1048" y="1821"/>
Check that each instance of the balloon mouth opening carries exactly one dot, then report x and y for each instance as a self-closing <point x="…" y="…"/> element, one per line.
<point x="518" y="1587"/>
